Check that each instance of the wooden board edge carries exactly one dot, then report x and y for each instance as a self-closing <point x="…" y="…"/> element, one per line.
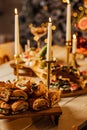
<point x="50" y="111"/>
<point x="74" y="93"/>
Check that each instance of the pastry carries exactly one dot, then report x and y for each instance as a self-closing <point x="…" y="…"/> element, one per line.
<point x="4" y="108"/>
<point x="4" y="94"/>
<point x="54" y="96"/>
<point x="18" y="94"/>
<point x="38" y="104"/>
<point x="40" y="90"/>
<point x="19" y="106"/>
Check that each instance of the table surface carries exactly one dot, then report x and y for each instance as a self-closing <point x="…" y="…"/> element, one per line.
<point x="74" y="109"/>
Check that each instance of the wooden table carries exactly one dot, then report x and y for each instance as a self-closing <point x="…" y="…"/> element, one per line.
<point x="74" y="110"/>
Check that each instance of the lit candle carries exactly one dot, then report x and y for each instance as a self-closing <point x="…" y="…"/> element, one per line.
<point x="49" y="40"/>
<point x="17" y="48"/>
<point x="74" y="44"/>
<point x="28" y="44"/>
<point x="68" y="22"/>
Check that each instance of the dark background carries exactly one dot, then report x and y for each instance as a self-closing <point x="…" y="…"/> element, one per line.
<point x="32" y="11"/>
<point x="7" y="18"/>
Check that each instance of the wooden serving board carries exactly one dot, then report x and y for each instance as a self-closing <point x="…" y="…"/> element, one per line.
<point x="23" y="70"/>
<point x="75" y="93"/>
<point x="33" y="71"/>
<point x="55" y="111"/>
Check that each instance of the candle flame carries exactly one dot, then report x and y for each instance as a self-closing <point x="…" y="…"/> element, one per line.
<point x="16" y="12"/>
<point x="50" y="19"/>
<point x="74" y="36"/>
<point x="68" y="2"/>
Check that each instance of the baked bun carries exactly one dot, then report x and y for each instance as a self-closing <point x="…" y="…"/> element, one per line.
<point x="31" y="86"/>
<point x="4" y="94"/>
<point x="54" y="96"/>
<point x="2" y="84"/>
<point x="9" y="85"/>
<point x="41" y="90"/>
<point x="18" y="94"/>
<point x="4" y="108"/>
<point x="19" y="106"/>
<point x="38" y="104"/>
<point x="21" y="84"/>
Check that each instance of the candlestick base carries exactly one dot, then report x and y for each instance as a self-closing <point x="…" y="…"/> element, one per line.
<point x="68" y="47"/>
<point x="74" y="62"/>
<point x="48" y="71"/>
<point x="17" y="58"/>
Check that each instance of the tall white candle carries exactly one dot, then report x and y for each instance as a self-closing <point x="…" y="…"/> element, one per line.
<point x="17" y="47"/>
<point x="49" y="40"/>
<point x="74" y="44"/>
<point x="68" y="22"/>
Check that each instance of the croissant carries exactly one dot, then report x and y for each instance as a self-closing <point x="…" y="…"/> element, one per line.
<point x="19" y="106"/>
<point x="4" y="107"/>
<point x="53" y="96"/>
<point x="4" y="94"/>
<point x="38" y="104"/>
<point x="19" y="94"/>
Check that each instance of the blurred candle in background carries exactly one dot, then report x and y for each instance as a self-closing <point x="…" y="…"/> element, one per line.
<point x="74" y="44"/>
<point x="25" y="48"/>
<point x="68" y="22"/>
<point x="17" y="48"/>
<point x="28" y="44"/>
<point x="49" y="40"/>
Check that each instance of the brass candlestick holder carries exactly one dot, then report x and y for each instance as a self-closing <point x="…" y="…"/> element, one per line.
<point x="16" y="58"/>
<point x="48" y="71"/>
<point x="74" y="62"/>
<point x="68" y="47"/>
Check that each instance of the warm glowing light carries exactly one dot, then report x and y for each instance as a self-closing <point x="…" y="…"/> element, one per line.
<point x="81" y="8"/>
<point x="74" y="36"/>
<point x="68" y="1"/>
<point x="50" y="19"/>
<point x="75" y="14"/>
<point x="74" y="44"/>
<point x="16" y="11"/>
<point x="64" y="1"/>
